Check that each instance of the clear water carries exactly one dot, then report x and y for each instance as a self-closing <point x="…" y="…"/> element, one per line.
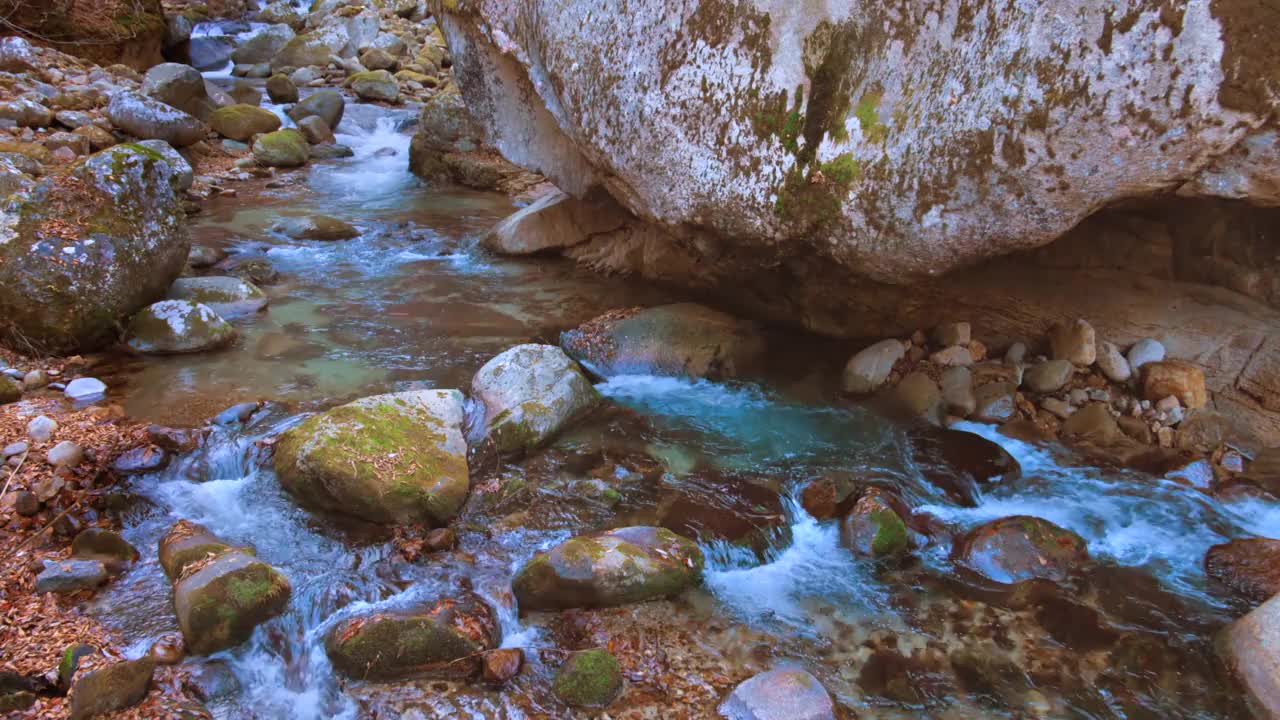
<point x="412" y="300"/>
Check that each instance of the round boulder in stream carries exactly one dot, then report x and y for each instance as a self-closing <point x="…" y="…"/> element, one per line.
<point x="328" y="105"/>
<point x="241" y="122"/>
<point x="178" y="326"/>
<point x="91" y="248"/>
<point x="442" y="640"/>
<point x="684" y="339"/>
<point x="396" y="458"/>
<point x="529" y="393"/>
<point x="316" y="227"/>
<point x="873" y="528"/>
<point x="286" y="148"/>
<point x="225" y="295"/>
<point x="618" y="567"/>
<point x="1013" y="549"/>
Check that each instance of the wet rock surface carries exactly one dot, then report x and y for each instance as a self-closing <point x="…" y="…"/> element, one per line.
<point x="1014" y="549"/>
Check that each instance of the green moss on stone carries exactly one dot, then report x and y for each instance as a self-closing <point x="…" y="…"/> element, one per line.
<point x="589" y="679"/>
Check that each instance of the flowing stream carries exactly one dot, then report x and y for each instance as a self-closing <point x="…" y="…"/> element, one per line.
<point x="412" y="302"/>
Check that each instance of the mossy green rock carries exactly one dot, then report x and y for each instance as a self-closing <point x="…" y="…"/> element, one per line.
<point x="114" y="687"/>
<point x="283" y="148"/>
<point x="187" y="543"/>
<point x="618" y="567"/>
<point x="397" y="458"/>
<point x="874" y="529"/>
<point x="10" y="391"/>
<point x="225" y="295"/>
<point x="100" y="543"/>
<point x="589" y="679"/>
<point x="89" y="249"/>
<point x="220" y="602"/>
<point x="530" y="393"/>
<point x="1018" y="548"/>
<point x="241" y="122"/>
<point x="441" y="639"/>
<point x="375" y="85"/>
<point x="171" y="327"/>
<point x="311" y="48"/>
<point x="685" y="340"/>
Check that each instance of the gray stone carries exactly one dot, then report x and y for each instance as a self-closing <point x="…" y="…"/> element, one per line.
<point x="114" y="687"/>
<point x="65" y="454"/>
<point x="41" y="428"/>
<point x="1113" y="364"/>
<point x="315" y="130"/>
<point x="529" y="393"/>
<point x="868" y="370"/>
<point x="15" y="448"/>
<point x="227" y="296"/>
<point x="178" y="86"/>
<point x="25" y="112"/>
<point x="788" y="694"/>
<point x="35" y="380"/>
<point x="83" y="389"/>
<point x="150" y="119"/>
<point x="172" y="327"/>
<point x="183" y="176"/>
<point x="1049" y="376"/>
<point x="1147" y="350"/>
<point x="263" y="45"/>
<point x="328" y="105"/>
<point x="957" y="391"/>
<point x="69" y="576"/>
<point x="958" y="333"/>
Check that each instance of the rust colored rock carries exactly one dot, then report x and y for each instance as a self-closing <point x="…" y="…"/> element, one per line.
<point x="1018" y="548"/>
<point x="1251" y="648"/>
<point x="1249" y="567"/>
<point x="1177" y="378"/>
<point x="499" y="666"/>
<point x="441" y="539"/>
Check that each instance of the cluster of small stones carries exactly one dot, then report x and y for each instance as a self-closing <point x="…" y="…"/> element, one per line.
<point x="955" y="374"/>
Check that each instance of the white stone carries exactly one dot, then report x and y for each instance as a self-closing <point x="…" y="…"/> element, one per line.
<point x="870" y="368"/>
<point x="82" y="389"/>
<point x="1147" y="350"/>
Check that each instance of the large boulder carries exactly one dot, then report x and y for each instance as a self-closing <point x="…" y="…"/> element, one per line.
<point x="178" y="86"/>
<point x="172" y="327"/>
<point x="397" y="458"/>
<point x="886" y="140"/>
<point x="684" y="339"/>
<point x="528" y="394"/>
<point x="89" y="249"/>
<point x="263" y="45"/>
<point x="150" y="119"/>
<point x="241" y="122"/>
<point x="1251" y="649"/>
<point x="1021" y="547"/>
<point x="1248" y="567"/>
<point x="328" y="105"/>
<point x="618" y="567"/>
<point x="227" y="296"/>
<point x="286" y="148"/>
<point x="184" y="175"/>
<point x="221" y="600"/>
<point x="436" y="639"/>
<point x="379" y="85"/>
<point x="311" y="48"/>
<point x="552" y="222"/>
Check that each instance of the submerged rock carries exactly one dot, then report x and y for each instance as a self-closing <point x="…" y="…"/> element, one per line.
<point x="618" y="567"/>
<point x="785" y="694"/>
<point x="961" y="463"/>
<point x="440" y="639"/>
<point x="178" y="326"/>
<point x="316" y="227"/>
<point x="397" y="458"/>
<point x="734" y="510"/>
<point x="1249" y="567"/>
<point x="90" y="249"/>
<point x="220" y="601"/>
<point x="1018" y="548"/>
<point x="188" y="543"/>
<point x="226" y="296"/>
<point x="500" y="666"/>
<point x="684" y="339"/>
<point x="529" y="393"/>
<point x="588" y="679"/>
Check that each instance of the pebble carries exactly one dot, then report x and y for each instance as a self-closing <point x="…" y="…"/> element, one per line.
<point x="65" y="454"/>
<point x="1147" y="350"/>
<point x="86" y="389"/>
<point x="42" y="428"/>
<point x="1113" y="364"/>
<point x="16" y="448"/>
<point x="26" y="503"/>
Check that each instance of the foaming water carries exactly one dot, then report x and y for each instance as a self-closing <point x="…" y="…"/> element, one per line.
<point x="1128" y="518"/>
<point x="378" y="172"/>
